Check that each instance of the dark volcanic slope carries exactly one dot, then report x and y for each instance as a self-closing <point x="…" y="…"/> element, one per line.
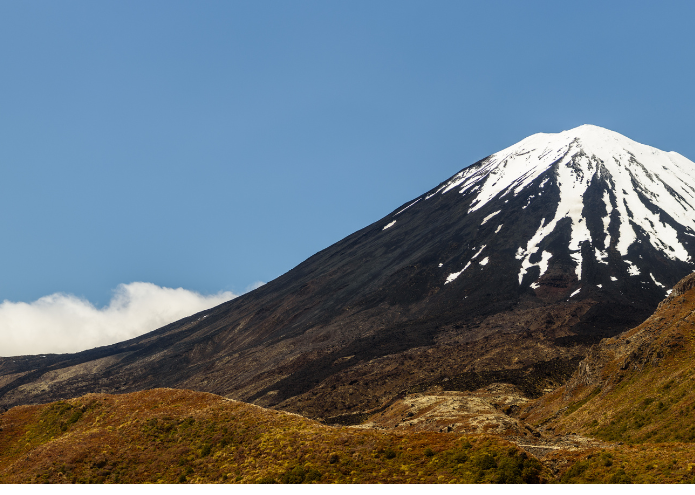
<point x="505" y="272"/>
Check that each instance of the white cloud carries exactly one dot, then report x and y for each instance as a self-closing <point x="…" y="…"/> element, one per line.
<point x="65" y="323"/>
<point x="253" y="286"/>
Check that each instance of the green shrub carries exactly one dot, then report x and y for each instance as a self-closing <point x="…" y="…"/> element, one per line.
<point x="299" y="474"/>
<point x="484" y="461"/>
<point x="267" y="480"/>
<point x="74" y="418"/>
<point x="575" y="471"/>
<point x="620" y="477"/>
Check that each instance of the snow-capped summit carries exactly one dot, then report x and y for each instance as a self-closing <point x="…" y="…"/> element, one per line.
<point x="639" y="193"/>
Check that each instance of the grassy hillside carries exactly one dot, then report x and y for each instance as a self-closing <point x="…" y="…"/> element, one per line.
<point x="178" y="436"/>
<point x="645" y="463"/>
<point x="637" y="387"/>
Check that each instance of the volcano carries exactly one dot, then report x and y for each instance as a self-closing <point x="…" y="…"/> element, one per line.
<point x="506" y="272"/>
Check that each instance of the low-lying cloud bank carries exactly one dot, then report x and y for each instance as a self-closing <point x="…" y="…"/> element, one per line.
<point x="65" y="323"/>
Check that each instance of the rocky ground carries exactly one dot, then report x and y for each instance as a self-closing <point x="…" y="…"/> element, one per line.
<point x="490" y="410"/>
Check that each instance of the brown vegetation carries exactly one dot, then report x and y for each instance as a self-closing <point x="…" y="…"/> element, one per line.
<point x="177" y="436"/>
<point x="636" y="387"/>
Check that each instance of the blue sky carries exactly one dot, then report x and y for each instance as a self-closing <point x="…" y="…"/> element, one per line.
<point x="210" y="145"/>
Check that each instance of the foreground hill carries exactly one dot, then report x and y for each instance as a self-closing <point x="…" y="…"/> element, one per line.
<point x="179" y="436"/>
<point x="638" y="387"/>
<point x="507" y="272"/>
<point x="170" y="436"/>
<point x="634" y="392"/>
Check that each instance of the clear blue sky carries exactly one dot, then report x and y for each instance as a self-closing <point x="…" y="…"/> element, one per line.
<point x="212" y="144"/>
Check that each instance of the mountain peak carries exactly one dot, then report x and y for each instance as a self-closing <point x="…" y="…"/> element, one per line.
<point x="599" y="141"/>
<point x="586" y="131"/>
<point x="636" y="192"/>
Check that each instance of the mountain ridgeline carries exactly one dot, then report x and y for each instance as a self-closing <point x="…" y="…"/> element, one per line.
<point x="507" y="272"/>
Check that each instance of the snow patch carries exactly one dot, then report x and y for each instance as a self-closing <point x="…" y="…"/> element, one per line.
<point x="389" y="225"/>
<point x="484" y="261"/>
<point x="657" y="283"/>
<point x="478" y="252"/>
<point x="528" y="202"/>
<point x="543" y="264"/>
<point x="632" y="269"/>
<point x="411" y="204"/>
<point x="601" y="256"/>
<point x="454" y="276"/>
<point x="489" y="217"/>
<point x="575" y="292"/>
<point x="531" y="248"/>
<point x="499" y="228"/>
<point x="520" y="252"/>
<point x="607" y="219"/>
